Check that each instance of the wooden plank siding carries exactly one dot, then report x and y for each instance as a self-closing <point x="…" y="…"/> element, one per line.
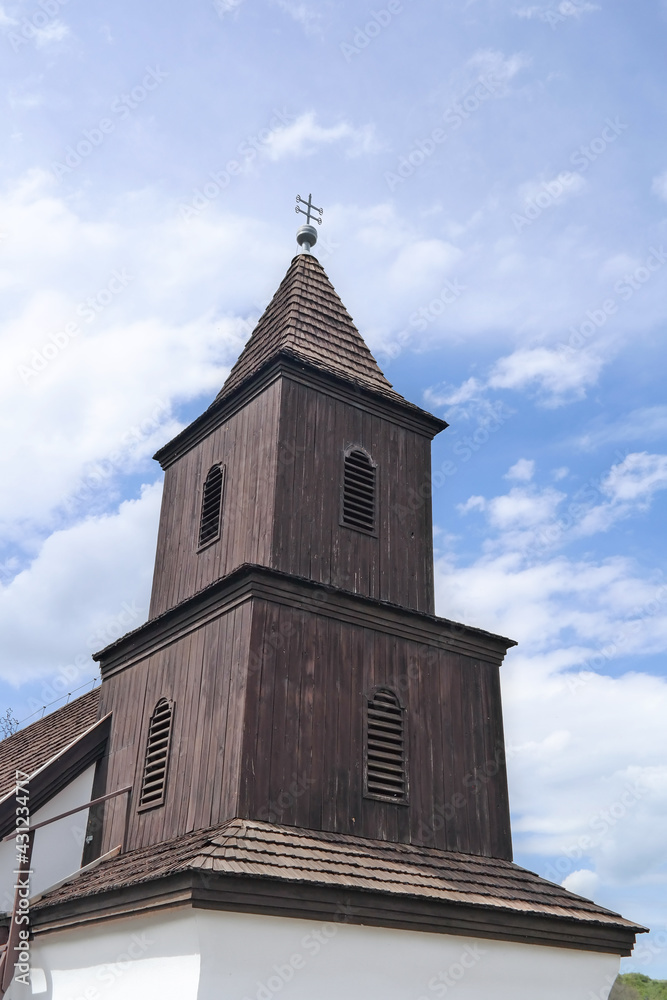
<point x="304" y="729"/>
<point x="246" y="444"/>
<point x="204" y="674"/>
<point x="395" y="564"/>
<point x="268" y="724"/>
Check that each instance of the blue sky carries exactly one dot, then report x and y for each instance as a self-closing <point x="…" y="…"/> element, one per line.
<point x="494" y="179"/>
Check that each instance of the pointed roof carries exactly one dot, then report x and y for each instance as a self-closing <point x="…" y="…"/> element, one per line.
<point x="307" y="319"/>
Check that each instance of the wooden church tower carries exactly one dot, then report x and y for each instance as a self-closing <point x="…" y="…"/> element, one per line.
<point x="297" y="737"/>
<point x="291" y="636"/>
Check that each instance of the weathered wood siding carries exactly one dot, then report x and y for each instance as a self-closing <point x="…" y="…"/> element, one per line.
<point x="246" y="444"/>
<point x="303" y="734"/>
<point x="204" y="675"/>
<point x="308" y="540"/>
<point x="268" y="724"/>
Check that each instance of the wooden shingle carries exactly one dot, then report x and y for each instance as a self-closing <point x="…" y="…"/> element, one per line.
<point x="307" y="320"/>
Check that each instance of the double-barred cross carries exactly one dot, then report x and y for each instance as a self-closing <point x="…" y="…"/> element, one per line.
<point x="309" y="210"/>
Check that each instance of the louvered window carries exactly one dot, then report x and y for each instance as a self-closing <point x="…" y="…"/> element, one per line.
<point x="154" y="781"/>
<point x="386" y="751"/>
<point x="359" y="488"/>
<point x="211" y="506"/>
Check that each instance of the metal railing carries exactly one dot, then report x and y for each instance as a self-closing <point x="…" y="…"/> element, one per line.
<point x="21" y="895"/>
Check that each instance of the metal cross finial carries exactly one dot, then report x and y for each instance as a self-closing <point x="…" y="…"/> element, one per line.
<point x="310" y="209"/>
<point x="306" y="236"/>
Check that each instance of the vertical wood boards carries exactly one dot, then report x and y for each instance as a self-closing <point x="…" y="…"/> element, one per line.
<point x="268" y="724"/>
<point x="303" y="734"/>
<point x="283" y="455"/>
<point x="246" y="444"/>
<point x="394" y="564"/>
<point x="204" y="674"/>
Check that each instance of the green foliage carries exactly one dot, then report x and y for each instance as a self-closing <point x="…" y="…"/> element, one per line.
<point x="636" y="986"/>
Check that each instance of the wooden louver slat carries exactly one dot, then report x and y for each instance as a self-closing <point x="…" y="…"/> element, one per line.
<point x="211" y="506"/>
<point x="359" y="492"/>
<point x="386" y="760"/>
<point x="153" y="785"/>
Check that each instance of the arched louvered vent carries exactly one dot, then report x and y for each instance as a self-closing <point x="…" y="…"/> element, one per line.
<point x="359" y="482"/>
<point x="386" y="750"/>
<point x="211" y="505"/>
<point x="154" y="781"/>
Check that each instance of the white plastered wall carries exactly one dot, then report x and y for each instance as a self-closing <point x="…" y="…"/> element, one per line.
<point x="214" y="955"/>
<point x="58" y="847"/>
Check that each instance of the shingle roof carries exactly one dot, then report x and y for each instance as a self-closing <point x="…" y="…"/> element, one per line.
<point x="307" y="319"/>
<point x="249" y="848"/>
<point x="38" y="743"/>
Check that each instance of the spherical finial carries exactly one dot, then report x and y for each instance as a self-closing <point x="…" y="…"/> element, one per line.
<point x="306" y="237"/>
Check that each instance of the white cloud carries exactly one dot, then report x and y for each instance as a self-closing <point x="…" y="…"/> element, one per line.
<point x="588" y="780"/>
<point x="472" y="503"/>
<point x="449" y="395"/>
<point x="309" y="17"/>
<point x="55" y="31"/>
<point x="559" y="375"/>
<point x="637" y="477"/>
<point x="583" y="882"/>
<point x="523" y="470"/>
<point x="553" y="191"/>
<point x="555" y="13"/>
<point x="659" y="186"/>
<point x="630" y="486"/>
<point x="40" y="632"/>
<point x="493" y="63"/>
<point x="524" y="508"/>
<point x="305" y="136"/>
<point x="141" y="354"/>
<point x="422" y="265"/>
<point x="644" y="424"/>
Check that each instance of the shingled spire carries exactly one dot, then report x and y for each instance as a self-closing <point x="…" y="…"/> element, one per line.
<point x="307" y="320"/>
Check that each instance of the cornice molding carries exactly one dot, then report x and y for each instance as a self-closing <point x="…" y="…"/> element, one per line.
<point x="288" y="366"/>
<point x="259" y="582"/>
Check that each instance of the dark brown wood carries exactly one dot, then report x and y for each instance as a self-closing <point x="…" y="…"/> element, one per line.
<point x="268" y="676"/>
<point x="269" y="639"/>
